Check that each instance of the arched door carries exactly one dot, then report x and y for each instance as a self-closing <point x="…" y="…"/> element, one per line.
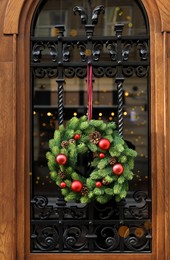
<point x="110" y="232"/>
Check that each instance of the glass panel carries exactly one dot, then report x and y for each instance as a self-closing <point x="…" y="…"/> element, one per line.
<point x="55" y="64"/>
<point x="127" y="12"/>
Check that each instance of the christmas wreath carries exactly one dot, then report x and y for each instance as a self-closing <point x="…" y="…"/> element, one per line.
<point x="89" y="161"/>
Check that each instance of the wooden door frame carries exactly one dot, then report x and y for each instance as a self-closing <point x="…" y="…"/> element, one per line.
<point x="19" y="27"/>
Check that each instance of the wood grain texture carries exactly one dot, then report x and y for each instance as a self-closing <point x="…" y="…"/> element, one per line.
<point x="89" y="257"/>
<point x="12" y="16"/>
<point x="164" y="8"/>
<point x="7" y="163"/>
<point x="168" y="144"/>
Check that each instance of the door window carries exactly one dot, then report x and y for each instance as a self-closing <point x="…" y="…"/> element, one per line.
<point x="115" y="35"/>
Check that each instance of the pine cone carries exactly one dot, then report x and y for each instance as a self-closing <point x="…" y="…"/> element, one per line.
<point x="95" y="137"/>
<point x="84" y="191"/>
<point x="104" y="182"/>
<point x="64" y="144"/>
<point x="112" y="161"/>
<point x="72" y="141"/>
<point x="62" y="174"/>
<point x="95" y="155"/>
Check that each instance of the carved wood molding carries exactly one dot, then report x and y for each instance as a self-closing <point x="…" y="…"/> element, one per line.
<point x="12" y="16"/>
<point x="164" y="9"/>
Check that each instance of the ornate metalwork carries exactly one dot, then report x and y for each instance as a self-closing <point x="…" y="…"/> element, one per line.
<point x="97" y="50"/>
<point x="107" y="238"/>
<point x="45" y="238"/>
<point x="136" y="207"/>
<point x="111" y="238"/>
<point x="37" y="49"/>
<point x="53" y="50"/>
<point x="126" y="50"/>
<point x="143" y="50"/>
<point x="45" y="72"/>
<point x="112" y="47"/>
<point x="85" y="18"/>
<point x="75" y="237"/>
<point x="57" y="226"/>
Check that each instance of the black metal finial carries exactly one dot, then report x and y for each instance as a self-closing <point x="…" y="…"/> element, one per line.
<point x="90" y="18"/>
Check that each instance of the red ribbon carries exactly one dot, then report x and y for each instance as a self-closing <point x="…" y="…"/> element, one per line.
<point x="90" y="90"/>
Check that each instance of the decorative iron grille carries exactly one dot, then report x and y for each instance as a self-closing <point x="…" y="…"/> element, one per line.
<point x="57" y="226"/>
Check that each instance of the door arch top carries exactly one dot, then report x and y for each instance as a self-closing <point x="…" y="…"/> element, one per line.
<point x="154" y="9"/>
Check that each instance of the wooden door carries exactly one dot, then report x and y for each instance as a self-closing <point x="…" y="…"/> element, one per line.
<point x="21" y="108"/>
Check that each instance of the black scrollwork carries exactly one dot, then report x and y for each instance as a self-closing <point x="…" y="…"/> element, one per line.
<point x="97" y="50"/>
<point x="108" y="238"/>
<point x="96" y="13"/>
<point x="39" y="73"/>
<point x="40" y="202"/>
<point x="45" y="72"/>
<point x="139" y="211"/>
<point x="112" y="47"/>
<point x="45" y="238"/>
<point x="80" y="10"/>
<point x="51" y="72"/>
<point x="80" y="72"/>
<point x="37" y="49"/>
<point x="67" y="51"/>
<point x="143" y="50"/>
<point x="126" y="50"/>
<point x="53" y="51"/>
<point x="98" y="72"/>
<point x="138" y="239"/>
<point x="82" y="48"/>
<point x="42" y="209"/>
<point x="69" y="72"/>
<point x="110" y="72"/>
<point x="76" y="212"/>
<point x="75" y="238"/>
<point x="141" y="71"/>
<point x="128" y="71"/>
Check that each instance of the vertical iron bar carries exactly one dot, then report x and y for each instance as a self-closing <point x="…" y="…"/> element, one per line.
<point x="119" y="77"/>
<point x="60" y="79"/>
<point x="120" y="105"/>
<point x="60" y="101"/>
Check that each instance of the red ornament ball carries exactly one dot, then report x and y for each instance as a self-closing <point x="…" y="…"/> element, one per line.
<point x="76" y="186"/>
<point x="104" y="144"/>
<point x="118" y="169"/>
<point x="62" y="185"/>
<point x="76" y="136"/>
<point x="61" y="159"/>
<point x="98" y="184"/>
<point x="101" y="155"/>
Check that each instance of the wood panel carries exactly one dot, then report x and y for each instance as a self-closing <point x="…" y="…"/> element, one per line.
<point x="90" y="257"/>
<point x="164" y="9"/>
<point x="12" y="15"/>
<point x="7" y="162"/>
<point x="168" y="144"/>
